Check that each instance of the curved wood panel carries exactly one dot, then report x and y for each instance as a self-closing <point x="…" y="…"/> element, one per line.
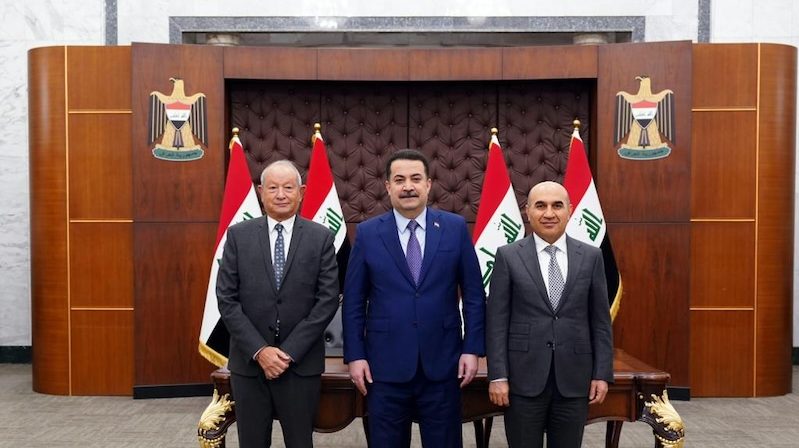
<point x="100" y="169"/>
<point x="723" y="164"/>
<point x="99" y="78"/>
<point x="558" y="62"/>
<point x="364" y="64"/>
<point x="644" y="190"/>
<point x="725" y="75"/>
<point x="775" y="219"/>
<point x="172" y="262"/>
<point x="722" y="264"/>
<point x="101" y="257"/>
<point x="102" y="346"/>
<point x="165" y="191"/>
<point x="462" y="64"/>
<point x="651" y="325"/>
<point x="48" y="199"/>
<point x="722" y="353"/>
<point x="269" y="63"/>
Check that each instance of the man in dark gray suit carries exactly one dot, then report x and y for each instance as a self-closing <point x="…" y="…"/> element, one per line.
<point x="277" y="291"/>
<point x="549" y="339"/>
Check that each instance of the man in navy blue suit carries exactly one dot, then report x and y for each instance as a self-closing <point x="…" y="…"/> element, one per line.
<point x="402" y="323"/>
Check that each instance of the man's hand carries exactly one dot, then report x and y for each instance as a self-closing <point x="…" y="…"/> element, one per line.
<point x="273" y="361"/>
<point x="467" y="368"/>
<point x="498" y="392"/>
<point x="360" y="374"/>
<point x="599" y="389"/>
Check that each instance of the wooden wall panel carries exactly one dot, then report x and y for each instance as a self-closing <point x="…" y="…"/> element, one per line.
<point x="644" y="190"/>
<point x="167" y="191"/>
<point x="269" y="63"/>
<point x="455" y="64"/>
<point x="558" y="62"/>
<point x="775" y="218"/>
<point x="723" y="164"/>
<point x="102" y="347"/>
<point x="652" y="323"/>
<point x="722" y="264"/>
<point x="363" y="64"/>
<point x="100" y="166"/>
<point x="99" y="78"/>
<point x="725" y="75"/>
<point x="172" y="262"/>
<point x="722" y="343"/>
<point x="101" y="257"/>
<point x="49" y="221"/>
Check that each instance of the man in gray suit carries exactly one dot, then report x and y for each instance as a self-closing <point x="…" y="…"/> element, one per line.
<point x="277" y="291"/>
<point x="549" y="339"/>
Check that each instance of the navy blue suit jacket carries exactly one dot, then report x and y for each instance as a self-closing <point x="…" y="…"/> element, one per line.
<point x="392" y="323"/>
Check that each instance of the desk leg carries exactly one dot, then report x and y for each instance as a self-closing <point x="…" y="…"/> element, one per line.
<point x="482" y="431"/>
<point x="613" y="433"/>
<point x="478" y="433"/>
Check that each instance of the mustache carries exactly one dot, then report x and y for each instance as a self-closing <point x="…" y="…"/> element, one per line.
<point x="409" y="194"/>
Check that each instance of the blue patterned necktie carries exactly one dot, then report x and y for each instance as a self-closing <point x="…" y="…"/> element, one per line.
<point x="556" y="282"/>
<point x="280" y="255"/>
<point x="413" y="253"/>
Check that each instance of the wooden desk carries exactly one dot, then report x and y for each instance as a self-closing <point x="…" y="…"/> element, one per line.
<point x="340" y="403"/>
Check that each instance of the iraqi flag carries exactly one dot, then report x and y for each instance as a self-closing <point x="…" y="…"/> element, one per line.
<point x="587" y="223"/>
<point x="499" y="221"/>
<point x="239" y="204"/>
<point x="321" y="203"/>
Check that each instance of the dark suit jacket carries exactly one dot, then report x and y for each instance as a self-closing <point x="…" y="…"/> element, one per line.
<point x="523" y="332"/>
<point x="392" y="323"/>
<point x="250" y="304"/>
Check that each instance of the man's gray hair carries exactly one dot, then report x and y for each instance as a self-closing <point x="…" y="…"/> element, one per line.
<point x="283" y="163"/>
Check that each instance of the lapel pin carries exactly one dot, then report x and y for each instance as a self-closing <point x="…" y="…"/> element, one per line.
<point x="435" y="224"/>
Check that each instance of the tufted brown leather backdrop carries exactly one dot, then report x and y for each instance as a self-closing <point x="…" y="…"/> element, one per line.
<point x="364" y="122"/>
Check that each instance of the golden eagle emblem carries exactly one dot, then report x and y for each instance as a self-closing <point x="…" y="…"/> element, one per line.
<point x="175" y="120"/>
<point x="643" y="118"/>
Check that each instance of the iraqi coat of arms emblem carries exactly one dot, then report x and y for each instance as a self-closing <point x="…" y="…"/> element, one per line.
<point x="644" y="118"/>
<point x="175" y="120"/>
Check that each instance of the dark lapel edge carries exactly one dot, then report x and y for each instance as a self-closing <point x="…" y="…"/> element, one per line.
<point x="390" y="237"/>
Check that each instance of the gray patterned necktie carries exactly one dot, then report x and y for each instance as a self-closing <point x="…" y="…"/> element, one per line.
<point x="556" y="282"/>
<point x="413" y="253"/>
<point x="280" y="255"/>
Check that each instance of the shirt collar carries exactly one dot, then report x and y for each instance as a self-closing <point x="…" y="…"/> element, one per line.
<point x="288" y="225"/>
<point x="540" y="244"/>
<point x="402" y="222"/>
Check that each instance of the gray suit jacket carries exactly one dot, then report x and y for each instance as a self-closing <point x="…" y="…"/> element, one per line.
<point x="524" y="336"/>
<point x="250" y="304"/>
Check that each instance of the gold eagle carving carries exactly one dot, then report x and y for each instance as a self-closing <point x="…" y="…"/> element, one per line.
<point x="643" y="118"/>
<point x="175" y="120"/>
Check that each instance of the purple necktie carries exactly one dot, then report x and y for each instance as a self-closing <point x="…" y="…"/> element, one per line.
<point x="413" y="254"/>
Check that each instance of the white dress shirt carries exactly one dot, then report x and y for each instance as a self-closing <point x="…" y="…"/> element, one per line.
<point x="544" y="257"/>
<point x="288" y="229"/>
<point x="405" y="234"/>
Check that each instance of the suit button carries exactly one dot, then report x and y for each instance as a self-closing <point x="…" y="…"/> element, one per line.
<point x="279" y="301"/>
<point x="416" y="295"/>
<point x="550" y="345"/>
<point x="414" y="325"/>
<point x="556" y="317"/>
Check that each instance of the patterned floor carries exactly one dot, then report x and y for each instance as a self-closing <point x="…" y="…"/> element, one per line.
<point x="28" y="419"/>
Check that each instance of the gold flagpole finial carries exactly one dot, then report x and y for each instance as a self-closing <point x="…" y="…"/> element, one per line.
<point x="234" y="138"/>
<point x="317" y="132"/>
<point x="576" y="123"/>
<point x="494" y="131"/>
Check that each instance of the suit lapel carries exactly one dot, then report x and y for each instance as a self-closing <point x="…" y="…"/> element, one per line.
<point x="431" y="239"/>
<point x="390" y="237"/>
<point x="574" y="252"/>
<point x="266" y="251"/>
<point x="296" y="241"/>
<point x="529" y="256"/>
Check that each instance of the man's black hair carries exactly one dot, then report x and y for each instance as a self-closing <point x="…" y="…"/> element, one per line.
<point x="407" y="154"/>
